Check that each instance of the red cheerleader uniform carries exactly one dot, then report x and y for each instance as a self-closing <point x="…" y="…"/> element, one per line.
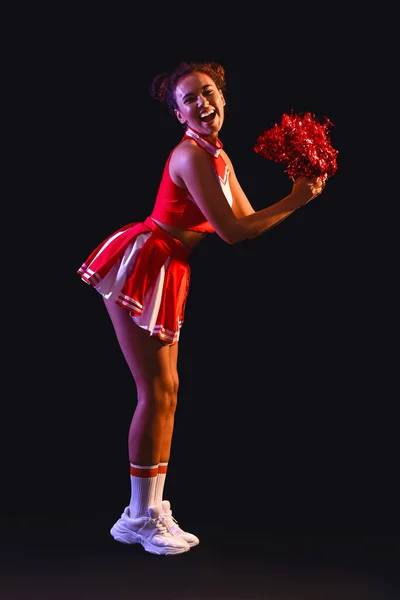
<point x="143" y="268"/>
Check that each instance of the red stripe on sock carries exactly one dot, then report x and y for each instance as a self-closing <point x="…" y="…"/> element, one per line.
<point x="162" y="469"/>
<point x="143" y="472"/>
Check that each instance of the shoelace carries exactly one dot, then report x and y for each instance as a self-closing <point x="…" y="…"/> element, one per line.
<point x="173" y="519"/>
<point x="162" y="525"/>
<point x="169" y="516"/>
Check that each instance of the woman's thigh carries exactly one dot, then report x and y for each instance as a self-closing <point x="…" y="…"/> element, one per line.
<point x="147" y="356"/>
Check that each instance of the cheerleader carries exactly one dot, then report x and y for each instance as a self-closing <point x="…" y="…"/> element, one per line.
<point x="142" y="271"/>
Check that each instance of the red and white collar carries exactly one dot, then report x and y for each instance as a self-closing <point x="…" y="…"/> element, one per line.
<point x="206" y="144"/>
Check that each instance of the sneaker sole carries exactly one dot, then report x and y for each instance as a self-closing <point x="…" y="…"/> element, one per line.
<point x="126" y="536"/>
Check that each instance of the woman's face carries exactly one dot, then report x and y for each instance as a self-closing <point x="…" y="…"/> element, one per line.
<point x="200" y="104"/>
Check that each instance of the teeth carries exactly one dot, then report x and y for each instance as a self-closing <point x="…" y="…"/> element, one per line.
<point x="206" y="114"/>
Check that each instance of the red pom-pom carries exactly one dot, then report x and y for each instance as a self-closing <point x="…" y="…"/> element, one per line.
<point x="300" y="143"/>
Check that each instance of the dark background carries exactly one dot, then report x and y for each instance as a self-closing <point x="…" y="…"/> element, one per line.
<point x="285" y="447"/>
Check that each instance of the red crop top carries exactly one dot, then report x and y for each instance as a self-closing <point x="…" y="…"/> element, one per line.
<point x="174" y="205"/>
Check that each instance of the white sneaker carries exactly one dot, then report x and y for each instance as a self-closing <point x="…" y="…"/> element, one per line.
<point x="153" y="532"/>
<point x="191" y="539"/>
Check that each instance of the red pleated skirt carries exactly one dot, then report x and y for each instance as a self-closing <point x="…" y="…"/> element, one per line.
<point x="145" y="270"/>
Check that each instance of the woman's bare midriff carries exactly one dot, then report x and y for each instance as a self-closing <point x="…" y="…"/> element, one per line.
<point x="187" y="237"/>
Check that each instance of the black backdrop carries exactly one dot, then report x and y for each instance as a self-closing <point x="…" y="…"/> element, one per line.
<point x="283" y="412"/>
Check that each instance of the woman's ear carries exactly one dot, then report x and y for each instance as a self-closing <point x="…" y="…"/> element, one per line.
<point x="179" y="116"/>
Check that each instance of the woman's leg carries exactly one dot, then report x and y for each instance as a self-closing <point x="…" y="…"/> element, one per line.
<point x="168" y="430"/>
<point x="153" y="365"/>
<point x="169" y="423"/>
<point x="150" y="435"/>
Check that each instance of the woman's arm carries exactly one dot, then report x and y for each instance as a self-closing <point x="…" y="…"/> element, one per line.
<point x="262" y="220"/>
<point x="191" y="167"/>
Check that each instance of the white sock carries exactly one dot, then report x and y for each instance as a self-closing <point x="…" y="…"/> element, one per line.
<point x="160" y="482"/>
<point x="143" y="485"/>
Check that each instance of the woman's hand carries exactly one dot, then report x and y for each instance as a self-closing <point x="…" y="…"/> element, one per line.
<point x="306" y="189"/>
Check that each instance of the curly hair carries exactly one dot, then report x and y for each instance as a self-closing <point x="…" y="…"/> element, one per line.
<point x="164" y="84"/>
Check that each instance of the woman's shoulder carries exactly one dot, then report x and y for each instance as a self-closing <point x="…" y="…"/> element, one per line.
<point x="186" y="145"/>
<point x="187" y="151"/>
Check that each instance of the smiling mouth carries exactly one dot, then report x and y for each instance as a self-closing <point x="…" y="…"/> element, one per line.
<point x="208" y="116"/>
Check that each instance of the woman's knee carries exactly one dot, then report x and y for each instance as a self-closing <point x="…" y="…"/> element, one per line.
<point x="174" y="391"/>
<point x="161" y="395"/>
<point x="175" y="379"/>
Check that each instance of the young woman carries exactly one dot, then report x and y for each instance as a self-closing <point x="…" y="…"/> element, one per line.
<point x="142" y="271"/>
